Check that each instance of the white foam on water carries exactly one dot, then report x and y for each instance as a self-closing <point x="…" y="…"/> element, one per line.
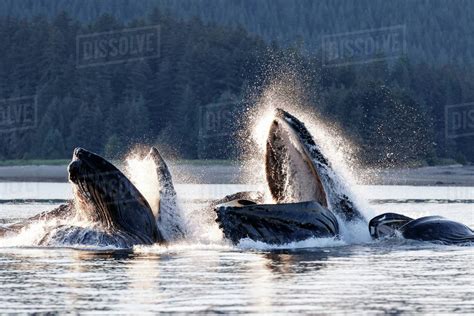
<point x="183" y="246"/>
<point x="38" y="232"/>
<point x="355" y="232"/>
<point x="196" y="220"/>
<point x="248" y="243"/>
<point x="28" y="236"/>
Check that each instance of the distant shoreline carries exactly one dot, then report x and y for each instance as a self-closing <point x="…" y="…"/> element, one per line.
<point x="65" y="162"/>
<point x="212" y="173"/>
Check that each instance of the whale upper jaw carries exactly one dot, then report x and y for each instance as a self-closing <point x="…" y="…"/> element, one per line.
<point x="168" y="216"/>
<point x="105" y="196"/>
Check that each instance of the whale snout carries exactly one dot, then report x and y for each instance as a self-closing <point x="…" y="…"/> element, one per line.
<point x="84" y="164"/>
<point x="280" y="113"/>
<point x="75" y="167"/>
<point x="73" y="171"/>
<point x="85" y="155"/>
<point x="79" y="153"/>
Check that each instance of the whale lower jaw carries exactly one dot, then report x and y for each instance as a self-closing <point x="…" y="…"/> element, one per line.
<point x="277" y="223"/>
<point x="169" y="218"/>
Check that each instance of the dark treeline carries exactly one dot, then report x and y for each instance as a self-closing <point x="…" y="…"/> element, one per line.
<point x="438" y="31"/>
<point x="394" y="111"/>
<point x="109" y="108"/>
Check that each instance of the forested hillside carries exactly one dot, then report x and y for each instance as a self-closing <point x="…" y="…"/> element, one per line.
<point x="438" y="31"/>
<point x="394" y="111"/>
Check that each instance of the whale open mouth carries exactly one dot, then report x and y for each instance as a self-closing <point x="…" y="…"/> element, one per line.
<point x="104" y="195"/>
<point x="298" y="171"/>
<point x="307" y="192"/>
<point x="291" y="162"/>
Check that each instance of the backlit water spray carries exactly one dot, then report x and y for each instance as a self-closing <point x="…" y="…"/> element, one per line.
<point x="142" y="173"/>
<point x="286" y="93"/>
<point x="198" y="219"/>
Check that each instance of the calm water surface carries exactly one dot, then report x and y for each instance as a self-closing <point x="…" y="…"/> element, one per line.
<point x="207" y="274"/>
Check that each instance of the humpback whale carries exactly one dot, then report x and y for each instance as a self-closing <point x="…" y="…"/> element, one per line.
<point x="311" y="200"/>
<point x="297" y="170"/>
<point x="307" y="192"/>
<point x="435" y="229"/>
<point x="107" y="209"/>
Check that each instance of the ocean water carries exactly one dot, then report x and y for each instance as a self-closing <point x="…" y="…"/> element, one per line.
<point x="207" y="274"/>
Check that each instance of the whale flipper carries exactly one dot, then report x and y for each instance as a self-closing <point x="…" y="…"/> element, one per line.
<point x="168" y="215"/>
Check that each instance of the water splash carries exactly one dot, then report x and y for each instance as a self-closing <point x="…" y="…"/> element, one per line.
<point x="152" y="176"/>
<point x="28" y="236"/>
<point x="43" y="233"/>
<point x="287" y="93"/>
<point x="142" y="173"/>
<point x="183" y="246"/>
<point x="197" y="222"/>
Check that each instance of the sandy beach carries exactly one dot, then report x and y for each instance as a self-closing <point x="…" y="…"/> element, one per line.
<point x="455" y="175"/>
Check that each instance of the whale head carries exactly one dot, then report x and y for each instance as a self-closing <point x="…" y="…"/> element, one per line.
<point x="298" y="171"/>
<point x="105" y="196"/>
<point x="291" y="172"/>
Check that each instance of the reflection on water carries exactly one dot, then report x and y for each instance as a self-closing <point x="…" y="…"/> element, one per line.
<point x="329" y="277"/>
<point x="381" y="277"/>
